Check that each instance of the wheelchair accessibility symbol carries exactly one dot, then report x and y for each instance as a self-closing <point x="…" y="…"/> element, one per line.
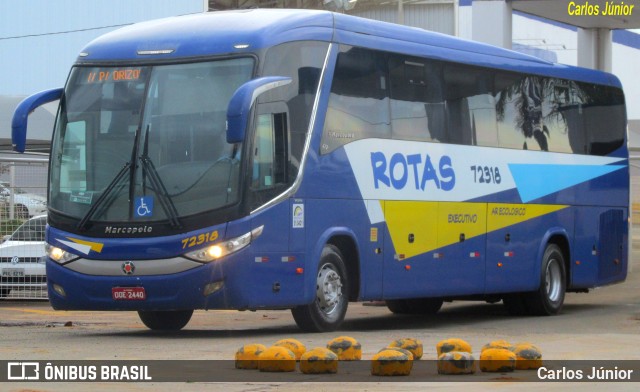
<point x="143" y="206"/>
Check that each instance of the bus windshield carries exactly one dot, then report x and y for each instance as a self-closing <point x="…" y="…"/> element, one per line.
<point x="146" y="143"/>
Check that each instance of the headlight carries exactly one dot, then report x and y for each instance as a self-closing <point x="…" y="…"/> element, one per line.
<point x="224" y="248"/>
<point x="58" y="255"/>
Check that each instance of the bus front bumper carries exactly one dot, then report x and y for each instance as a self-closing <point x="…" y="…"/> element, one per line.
<point x="235" y="283"/>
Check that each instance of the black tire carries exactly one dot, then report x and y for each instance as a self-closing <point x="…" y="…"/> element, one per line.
<point x="399" y="306"/>
<point x="549" y="298"/>
<point x="173" y="320"/>
<point x="327" y="311"/>
<point x="4" y="292"/>
<point x="415" y="305"/>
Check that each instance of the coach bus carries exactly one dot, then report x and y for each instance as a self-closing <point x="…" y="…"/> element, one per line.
<point x="295" y="159"/>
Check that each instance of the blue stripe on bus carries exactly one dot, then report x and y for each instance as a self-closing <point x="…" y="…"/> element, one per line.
<point x="536" y="181"/>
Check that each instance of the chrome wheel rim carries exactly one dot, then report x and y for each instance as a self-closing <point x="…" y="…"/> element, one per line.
<point x="328" y="290"/>
<point x="553" y="280"/>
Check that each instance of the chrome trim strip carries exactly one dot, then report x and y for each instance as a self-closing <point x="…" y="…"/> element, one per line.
<point x="296" y="184"/>
<point x="142" y="267"/>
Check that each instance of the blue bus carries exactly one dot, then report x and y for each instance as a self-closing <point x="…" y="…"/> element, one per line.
<point x="295" y="159"/>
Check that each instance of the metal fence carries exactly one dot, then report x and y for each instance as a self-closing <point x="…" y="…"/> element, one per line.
<point x="23" y="187"/>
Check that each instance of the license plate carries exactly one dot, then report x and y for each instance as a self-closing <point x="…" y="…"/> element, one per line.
<point x="13" y="272"/>
<point x="128" y="293"/>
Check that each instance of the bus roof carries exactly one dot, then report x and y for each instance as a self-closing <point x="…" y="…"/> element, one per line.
<point x="245" y="31"/>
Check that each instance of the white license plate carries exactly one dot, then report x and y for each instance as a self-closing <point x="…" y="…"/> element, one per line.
<point x="13" y="272"/>
<point x="128" y="293"/>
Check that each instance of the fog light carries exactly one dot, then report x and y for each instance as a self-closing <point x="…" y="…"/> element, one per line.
<point x="212" y="287"/>
<point x="58" y="289"/>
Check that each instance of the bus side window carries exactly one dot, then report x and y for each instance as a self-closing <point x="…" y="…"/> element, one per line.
<point x="270" y="170"/>
<point x="417" y="107"/>
<point x="603" y="118"/>
<point x="470" y="105"/>
<point x="359" y="102"/>
<point x="74" y="158"/>
<point x="302" y="61"/>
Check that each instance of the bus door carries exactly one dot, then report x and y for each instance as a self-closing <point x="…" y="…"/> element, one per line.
<point x="270" y="178"/>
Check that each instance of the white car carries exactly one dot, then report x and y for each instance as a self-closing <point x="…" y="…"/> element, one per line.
<point x="22" y="259"/>
<point x="25" y="204"/>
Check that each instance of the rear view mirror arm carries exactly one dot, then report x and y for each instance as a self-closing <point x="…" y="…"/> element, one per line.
<point x="21" y="115"/>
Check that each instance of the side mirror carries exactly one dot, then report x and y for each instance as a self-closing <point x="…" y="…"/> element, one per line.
<point x="242" y="101"/>
<point x="21" y="115"/>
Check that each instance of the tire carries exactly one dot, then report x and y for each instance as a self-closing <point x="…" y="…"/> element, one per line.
<point x="399" y="306"/>
<point x="549" y="298"/>
<point x="415" y="305"/>
<point x="4" y="292"/>
<point x="327" y="311"/>
<point x="173" y="320"/>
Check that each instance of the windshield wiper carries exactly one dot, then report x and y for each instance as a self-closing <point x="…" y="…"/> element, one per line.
<point x="106" y="198"/>
<point x="148" y="169"/>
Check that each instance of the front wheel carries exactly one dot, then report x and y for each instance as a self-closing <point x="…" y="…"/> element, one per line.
<point x="549" y="298"/>
<point x="329" y="307"/>
<point x="173" y="320"/>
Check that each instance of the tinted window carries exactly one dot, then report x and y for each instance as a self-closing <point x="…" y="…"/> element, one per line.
<point x="602" y="117"/>
<point x="417" y="101"/>
<point x="284" y="118"/>
<point x="302" y="62"/>
<point x="470" y="105"/>
<point x="550" y="114"/>
<point x="439" y="101"/>
<point x="358" y="105"/>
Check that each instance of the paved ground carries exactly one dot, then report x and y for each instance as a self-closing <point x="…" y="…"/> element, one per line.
<point x="601" y="325"/>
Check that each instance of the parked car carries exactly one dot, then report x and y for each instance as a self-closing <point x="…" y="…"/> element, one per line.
<point x="26" y="205"/>
<point x="22" y="258"/>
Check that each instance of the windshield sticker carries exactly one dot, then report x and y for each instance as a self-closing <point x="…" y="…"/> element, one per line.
<point x="298" y="216"/>
<point x="81" y="197"/>
<point x="144" y="206"/>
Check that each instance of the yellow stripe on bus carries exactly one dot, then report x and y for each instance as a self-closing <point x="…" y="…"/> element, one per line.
<point x="504" y="215"/>
<point x="418" y="227"/>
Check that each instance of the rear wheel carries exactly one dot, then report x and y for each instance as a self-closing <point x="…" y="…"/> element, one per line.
<point x="549" y="298"/>
<point x="173" y="320"/>
<point x="327" y="311"/>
